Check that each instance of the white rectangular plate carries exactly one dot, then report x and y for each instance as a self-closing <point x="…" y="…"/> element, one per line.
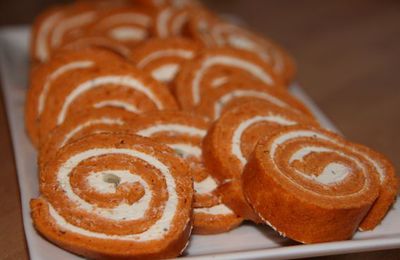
<point x="246" y="242"/>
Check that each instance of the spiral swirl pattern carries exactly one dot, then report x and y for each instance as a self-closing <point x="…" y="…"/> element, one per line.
<point x="315" y="174"/>
<point x="217" y="66"/>
<point x="115" y="187"/>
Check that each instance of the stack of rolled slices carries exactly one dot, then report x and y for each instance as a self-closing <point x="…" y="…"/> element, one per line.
<point x="155" y="120"/>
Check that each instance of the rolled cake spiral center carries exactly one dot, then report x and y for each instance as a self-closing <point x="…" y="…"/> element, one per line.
<point x="307" y="158"/>
<point x="112" y="179"/>
<point x="109" y="188"/>
<point x="316" y="164"/>
<point x="129" y="192"/>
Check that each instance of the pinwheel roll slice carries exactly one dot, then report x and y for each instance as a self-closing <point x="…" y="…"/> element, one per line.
<point x="213" y="32"/>
<point x="163" y="58"/>
<point x="63" y="65"/>
<point x="232" y="94"/>
<point x="121" y="86"/>
<point x="115" y="196"/>
<point x="213" y="67"/>
<point x="232" y="139"/>
<point x="83" y="123"/>
<point x="184" y="133"/>
<point x="309" y="184"/>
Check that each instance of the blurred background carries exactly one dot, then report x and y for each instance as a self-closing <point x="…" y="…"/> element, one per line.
<point x="348" y="57"/>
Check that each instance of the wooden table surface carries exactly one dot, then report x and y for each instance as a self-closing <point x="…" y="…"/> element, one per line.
<point x="348" y="55"/>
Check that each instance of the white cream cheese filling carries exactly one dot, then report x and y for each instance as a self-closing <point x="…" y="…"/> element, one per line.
<point x="181" y="53"/>
<point x="165" y="73"/>
<point x="205" y="186"/>
<point x="178" y="128"/>
<point x="128" y="33"/>
<point x="220" y="209"/>
<point x="219" y="81"/>
<point x="119" y="104"/>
